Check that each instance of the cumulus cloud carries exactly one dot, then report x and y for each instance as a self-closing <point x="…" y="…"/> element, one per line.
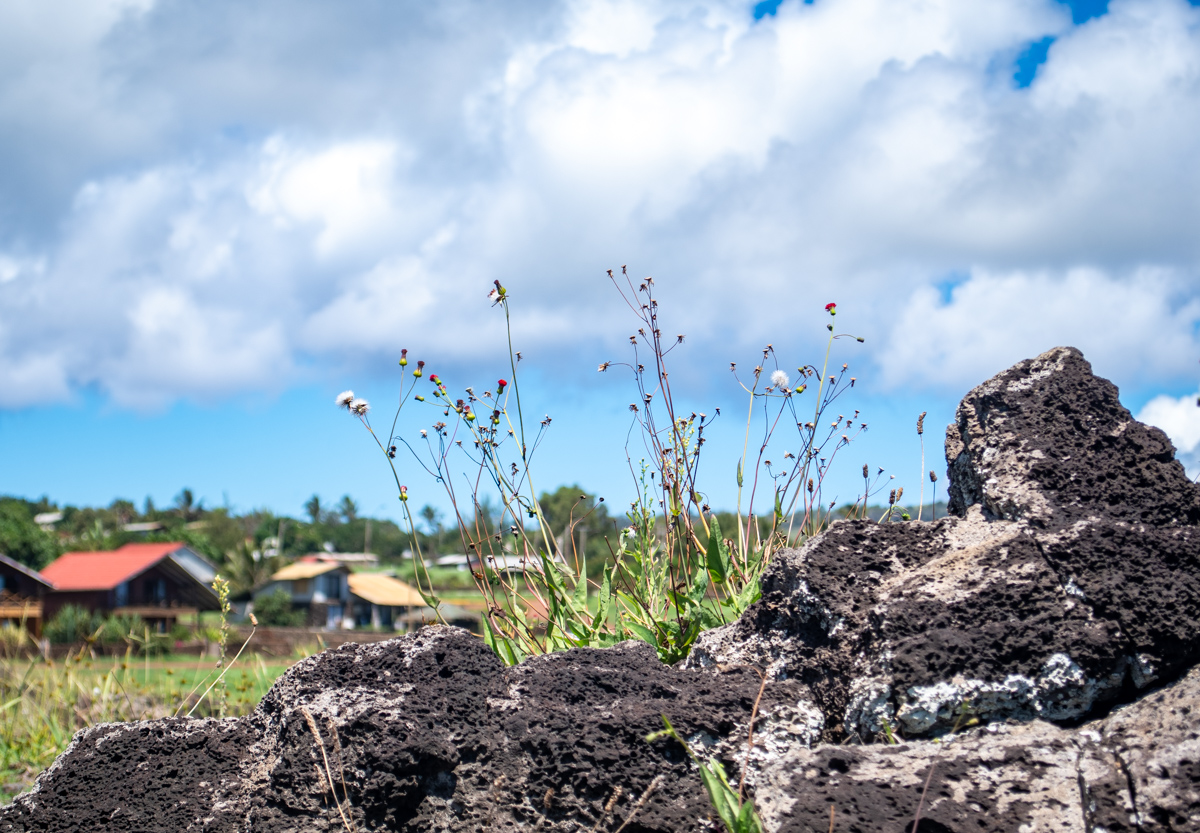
<point x="1137" y="325"/>
<point x="246" y="196"/>
<point x="1180" y="419"/>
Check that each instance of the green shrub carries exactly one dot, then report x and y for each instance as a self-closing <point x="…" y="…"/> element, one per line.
<point x="116" y="629"/>
<point x="275" y="610"/>
<point x="72" y="623"/>
<point x="21" y="538"/>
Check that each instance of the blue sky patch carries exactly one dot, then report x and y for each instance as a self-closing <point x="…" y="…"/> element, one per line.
<point x="1084" y="10"/>
<point x="1031" y="57"/>
<point x="769" y="7"/>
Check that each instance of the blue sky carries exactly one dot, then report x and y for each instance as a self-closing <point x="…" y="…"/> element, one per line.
<point x="213" y="218"/>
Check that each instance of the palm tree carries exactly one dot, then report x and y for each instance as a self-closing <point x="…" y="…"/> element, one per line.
<point x="186" y="506"/>
<point x="348" y="508"/>
<point x="314" y="509"/>
<point x="247" y="568"/>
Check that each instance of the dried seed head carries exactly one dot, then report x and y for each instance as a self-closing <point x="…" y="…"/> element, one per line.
<point x="866" y="471"/>
<point x="933" y="477"/>
<point x="345" y="398"/>
<point x="921" y="423"/>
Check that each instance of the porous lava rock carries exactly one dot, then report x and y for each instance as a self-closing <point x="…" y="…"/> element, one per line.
<point x="426" y="732"/>
<point x="1067" y="580"/>
<point x="1024" y="665"/>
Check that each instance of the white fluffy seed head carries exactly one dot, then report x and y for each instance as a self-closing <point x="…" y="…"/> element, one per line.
<point x="780" y="379"/>
<point x="345" y="398"/>
<point x="359" y="407"/>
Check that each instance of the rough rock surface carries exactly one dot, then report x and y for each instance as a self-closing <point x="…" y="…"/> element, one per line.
<point x="1056" y="617"/>
<point x="427" y="732"/>
<point x="1068" y="581"/>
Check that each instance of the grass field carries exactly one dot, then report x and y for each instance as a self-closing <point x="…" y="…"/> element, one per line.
<point x="43" y="704"/>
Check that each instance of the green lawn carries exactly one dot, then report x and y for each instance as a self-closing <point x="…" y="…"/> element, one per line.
<point x="43" y="704"/>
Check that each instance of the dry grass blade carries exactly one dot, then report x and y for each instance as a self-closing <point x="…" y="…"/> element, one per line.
<point x="641" y="802"/>
<point x="220" y="677"/>
<point x="316" y="733"/>
<point x="616" y="796"/>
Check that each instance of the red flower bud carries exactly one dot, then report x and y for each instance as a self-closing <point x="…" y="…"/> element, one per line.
<point x="829" y="307"/>
<point x="500" y="383"/>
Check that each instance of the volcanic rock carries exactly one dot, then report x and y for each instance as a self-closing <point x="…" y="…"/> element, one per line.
<point x="1068" y="581"/>
<point x="426" y="732"/>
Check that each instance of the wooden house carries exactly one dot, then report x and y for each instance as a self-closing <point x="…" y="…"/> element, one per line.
<point x="318" y="586"/>
<point x="22" y="592"/>
<point x="161" y="583"/>
<point x="380" y="601"/>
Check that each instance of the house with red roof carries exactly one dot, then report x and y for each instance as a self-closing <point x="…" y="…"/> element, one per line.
<point x="161" y="583"/>
<point x="21" y="592"/>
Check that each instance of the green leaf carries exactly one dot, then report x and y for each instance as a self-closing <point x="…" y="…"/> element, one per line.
<point x="605" y="600"/>
<point x="724" y="800"/>
<point x="778" y="505"/>
<point x="643" y="633"/>
<point x="579" y="597"/>
<point x="739" y="474"/>
<point x="748" y="820"/>
<point x="718" y="554"/>
<point x="750" y="594"/>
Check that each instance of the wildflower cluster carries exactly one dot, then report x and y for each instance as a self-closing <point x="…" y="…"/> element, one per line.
<point x="673" y="572"/>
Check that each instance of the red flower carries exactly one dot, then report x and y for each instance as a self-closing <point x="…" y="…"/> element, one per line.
<point x="828" y="307"/>
<point x="434" y="378"/>
<point x="500" y="383"/>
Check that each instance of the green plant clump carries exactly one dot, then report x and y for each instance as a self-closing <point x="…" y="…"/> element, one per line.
<point x="674" y="570"/>
<point x="276" y="610"/>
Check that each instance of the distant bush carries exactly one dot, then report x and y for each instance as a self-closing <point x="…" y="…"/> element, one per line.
<point x="116" y="629"/>
<point x="72" y="623"/>
<point x="275" y="610"/>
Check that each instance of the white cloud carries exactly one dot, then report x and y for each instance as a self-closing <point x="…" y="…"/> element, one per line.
<point x="346" y="190"/>
<point x="1180" y="419"/>
<point x="1130" y="326"/>
<point x="276" y="186"/>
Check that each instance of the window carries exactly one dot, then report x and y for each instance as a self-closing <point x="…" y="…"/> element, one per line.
<point x="333" y="585"/>
<point x="300" y="587"/>
<point x="156" y="590"/>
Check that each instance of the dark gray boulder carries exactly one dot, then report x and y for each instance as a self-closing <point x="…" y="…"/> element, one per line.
<point x="1068" y="580"/>
<point x="1054" y="619"/>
